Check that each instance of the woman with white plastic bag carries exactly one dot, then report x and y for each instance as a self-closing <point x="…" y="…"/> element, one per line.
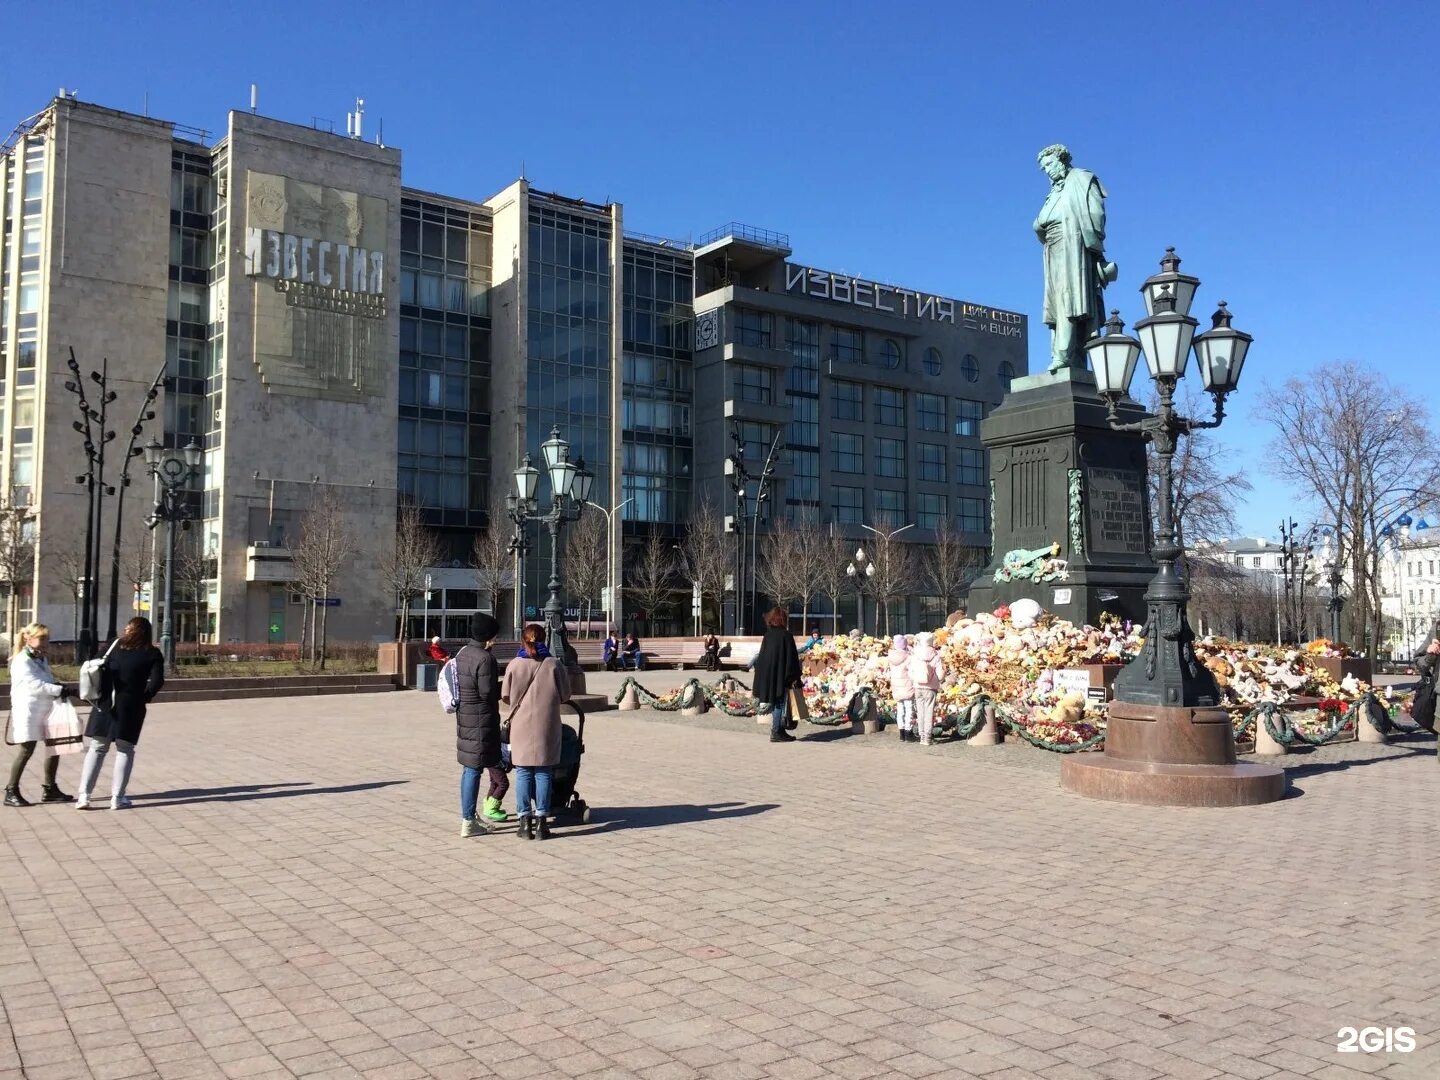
<point x="133" y="674"/>
<point x="34" y="691"/>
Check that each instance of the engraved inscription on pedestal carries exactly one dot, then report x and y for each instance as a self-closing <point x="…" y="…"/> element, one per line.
<point x="1117" y="511"/>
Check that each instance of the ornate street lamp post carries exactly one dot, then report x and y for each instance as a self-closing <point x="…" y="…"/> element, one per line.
<point x="747" y="540"/>
<point x="570" y="484"/>
<point x="1166" y="741"/>
<point x="173" y="472"/>
<point x="518" y="508"/>
<point x="858" y="571"/>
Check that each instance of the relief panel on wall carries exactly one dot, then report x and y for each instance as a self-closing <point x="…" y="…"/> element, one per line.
<point x="317" y="259"/>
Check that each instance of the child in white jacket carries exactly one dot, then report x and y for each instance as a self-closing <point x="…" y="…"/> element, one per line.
<point x="925" y="672"/>
<point x="901" y="688"/>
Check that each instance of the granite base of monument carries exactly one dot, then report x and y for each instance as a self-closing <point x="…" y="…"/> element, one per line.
<point x="1070" y="508"/>
<point x="1161" y="755"/>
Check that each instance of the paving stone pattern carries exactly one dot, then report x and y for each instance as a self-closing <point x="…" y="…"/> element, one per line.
<point x="290" y="897"/>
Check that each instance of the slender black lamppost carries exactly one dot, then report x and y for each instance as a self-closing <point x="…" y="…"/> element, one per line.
<point x="519" y="510"/>
<point x="1331" y="550"/>
<point x="173" y="470"/>
<point x="91" y="426"/>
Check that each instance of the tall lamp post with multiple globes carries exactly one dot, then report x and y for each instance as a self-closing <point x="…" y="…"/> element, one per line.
<point x="858" y="571"/>
<point x="1166" y="741"/>
<point x="570" y="484"/>
<point x="172" y="470"/>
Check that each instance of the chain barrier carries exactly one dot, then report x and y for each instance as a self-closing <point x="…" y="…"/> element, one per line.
<point x="964" y="721"/>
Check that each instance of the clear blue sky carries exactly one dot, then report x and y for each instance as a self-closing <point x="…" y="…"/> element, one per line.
<point x="1286" y="149"/>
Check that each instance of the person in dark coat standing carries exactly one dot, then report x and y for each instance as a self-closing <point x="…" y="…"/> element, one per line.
<point x="133" y="673"/>
<point x="777" y="669"/>
<point x="1422" y="707"/>
<point x="477" y="725"/>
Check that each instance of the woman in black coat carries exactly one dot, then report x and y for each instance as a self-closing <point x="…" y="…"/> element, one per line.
<point x="477" y="725"/>
<point x="133" y="673"/>
<point x="777" y="669"/>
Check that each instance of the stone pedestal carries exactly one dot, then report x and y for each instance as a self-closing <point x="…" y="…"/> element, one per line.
<point x="630" y="700"/>
<point x="1265" y="744"/>
<point x="1060" y="475"/>
<point x="990" y="734"/>
<point x="1163" y="755"/>
<point x="1337" y="667"/>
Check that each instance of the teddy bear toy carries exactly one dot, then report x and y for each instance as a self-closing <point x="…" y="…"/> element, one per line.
<point x="1024" y="613"/>
<point x="1069" y="709"/>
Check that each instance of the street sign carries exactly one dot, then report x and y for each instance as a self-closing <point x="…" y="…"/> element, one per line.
<point x="695" y="598"/>
<point x="328" y="601"/>
<point x="605" y="597"/>
<point x="274" y="628"/>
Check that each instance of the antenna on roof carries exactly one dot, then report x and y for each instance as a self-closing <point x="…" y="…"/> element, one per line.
<point x="522" y="168"/>
<point x="380" y="138"/>
<point x="354" y="121"/>
<point x="254" y="98"/>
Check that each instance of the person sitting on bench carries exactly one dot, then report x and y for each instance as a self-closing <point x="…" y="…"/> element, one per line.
<point x="631" y="652"/>
<point x="610" y="652"/>
<point x="710" y="661"/>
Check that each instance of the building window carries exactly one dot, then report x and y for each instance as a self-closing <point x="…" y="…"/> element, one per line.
<point x="847" y="453"/>
<point x="929" y="510"/>
<point x="970" y="465"/>
<point x="754" y="384"/>
<point x="804" y="344"/>
<point x="889" y="406"/>
<point x="805" y="421"/>
<point x="848" y="346"/>
<point x="847" y="401"/>
<point x="752" y="327"/>
<point x="970" y="366"/>
<point x="968" y="415"/>
<point x="890" y="506"/>
<point x="890" y="457"/>
<point x="971" y="515"/>
<point x="933" y="361"/>
<point x="930" y="412"/>
<point x="890" y="353"/>
<point x="805" y="468"/>
<point x="1007" y="374"/>
<point x="932" y="462"/>
<point x="849" y="505"/>
<point x="755" y="441"/>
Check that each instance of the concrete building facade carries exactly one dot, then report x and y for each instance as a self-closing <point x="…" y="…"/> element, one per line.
<point x="331" y="337"/>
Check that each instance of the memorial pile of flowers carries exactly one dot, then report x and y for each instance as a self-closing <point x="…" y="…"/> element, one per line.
<point x="1012" y="657"/>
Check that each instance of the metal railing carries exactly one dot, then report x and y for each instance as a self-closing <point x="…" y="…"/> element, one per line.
<point x="740" y="231"/>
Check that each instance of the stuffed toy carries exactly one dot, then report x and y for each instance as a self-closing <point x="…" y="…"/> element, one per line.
<point x="1069" y="709"/>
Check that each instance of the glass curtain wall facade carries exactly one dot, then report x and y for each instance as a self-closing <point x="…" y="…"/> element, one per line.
<point x="194" y="365"/>
<point x="569" y="366"/>
<point x="657" y="386"/>
<point x="21" y="250"/>
<point x="444" y="367"/>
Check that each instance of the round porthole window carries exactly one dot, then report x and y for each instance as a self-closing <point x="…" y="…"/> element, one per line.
<point x="890" y="354"/>
<point x="971" y="367"/>
<point x="933" y="362"/>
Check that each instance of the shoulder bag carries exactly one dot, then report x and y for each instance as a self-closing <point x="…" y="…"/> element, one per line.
<point x="505" y="724"/>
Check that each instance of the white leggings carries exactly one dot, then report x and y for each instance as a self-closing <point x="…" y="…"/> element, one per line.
<point x="905" y="714"/>
<point x="95" y="757"/>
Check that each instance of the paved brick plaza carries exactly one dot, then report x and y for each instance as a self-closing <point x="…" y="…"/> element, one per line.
<point x="290" y="897"/>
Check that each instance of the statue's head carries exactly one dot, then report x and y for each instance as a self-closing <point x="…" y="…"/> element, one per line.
<point x="1054" y="160"/>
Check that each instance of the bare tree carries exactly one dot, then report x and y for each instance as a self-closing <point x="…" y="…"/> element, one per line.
<point x="894" y="575"/>
<point x="1204" y="486"/>
<point x="135" y="563"/>
<point x="320" y="556"/>
<point x="950" y="565"/>
<point x="194" y="568"/>
<point x="651" y="577"/>
<point x="64" y="561"/>
<point x="832" y="557"/>
<point x="17" y="558"/>
<point x="585" y="567"/>
<point x="403" y="569"/>
<point x="493" y="560"/>
<point x="1361" y="449"/>
<point x="707" y="551"/>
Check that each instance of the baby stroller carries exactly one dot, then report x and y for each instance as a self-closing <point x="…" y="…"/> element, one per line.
<point x="566" y="805"/>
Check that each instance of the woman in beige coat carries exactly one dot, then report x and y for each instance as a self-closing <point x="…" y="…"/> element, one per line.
<point x="535" y="686"/>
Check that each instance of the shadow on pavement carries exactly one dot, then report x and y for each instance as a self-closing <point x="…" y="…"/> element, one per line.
<point x="610" y="818"/>
<point x="256" y="791"/>
<point x="1334" y="766"/>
